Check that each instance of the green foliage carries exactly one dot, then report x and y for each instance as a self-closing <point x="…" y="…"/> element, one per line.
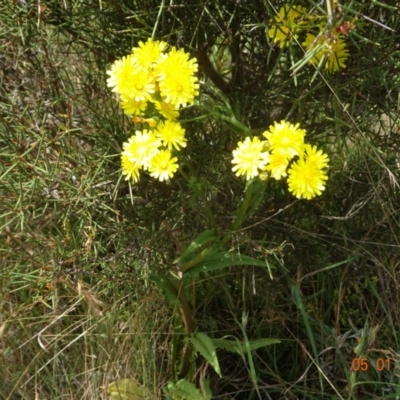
<point x="205" y="346"/>
<point x="240" y="347"/>
<point x="184" y="390"/>
<point x="127" y="389"/>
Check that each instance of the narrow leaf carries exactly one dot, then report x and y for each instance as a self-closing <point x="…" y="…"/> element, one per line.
<point x="221" y="260"/>
<point x="197" y="243"/>
<point x="240" y="347"/>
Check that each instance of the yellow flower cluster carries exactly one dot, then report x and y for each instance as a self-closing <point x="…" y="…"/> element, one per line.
<point x="153" y="81"/>
<point x="327" y="47"/>
<point x="332" y="48"/>
<point x="284" y="141"/>
<point x="152" y="150"/>
<point x="286" y="25"/>
<point x="150" y="75"/>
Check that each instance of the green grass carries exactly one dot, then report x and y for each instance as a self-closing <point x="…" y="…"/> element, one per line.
<point x="78" y="245"/>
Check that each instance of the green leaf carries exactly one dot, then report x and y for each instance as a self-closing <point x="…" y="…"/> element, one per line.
<point x="240" y="347"/>
<point x="169" y="286"/>
<point x="197" y="243"/>
<point x="185" y="390"/>
<point x="207" y="390"/>
<point x="127" y="389"/>
<point x="220" y="260"/>
<point x="204" y="345"/>
<point x="257" y="189"/>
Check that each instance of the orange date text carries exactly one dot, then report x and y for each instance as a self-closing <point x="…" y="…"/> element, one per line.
<point x="362" y="364"/>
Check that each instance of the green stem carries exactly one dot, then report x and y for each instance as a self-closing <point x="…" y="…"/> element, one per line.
<point x="240" y="213"/>
<point x="200" y="193"/>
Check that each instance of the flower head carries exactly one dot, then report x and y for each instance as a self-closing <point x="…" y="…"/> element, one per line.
<point x="178" y="60"/>
<point x="129" y="168"/>
<point x="250" y="157"/>
<point x="306" y="176"/>
<point x="141" y="148"/>
<point x="129" y="81"/>
<point x="177" y="82"/>
<point x="133" y="107"/>
<point x="278" y="163"/>
<point x="333" y="49"/>
<point x="285" y="139"/>
<point x="149" y="53"/>
<point x="286" y="24"/>
<point x="171" y="134"/>
<point x="317" y="157"/>
<point x="163" y="165"/>
<point x="167" y="110"/>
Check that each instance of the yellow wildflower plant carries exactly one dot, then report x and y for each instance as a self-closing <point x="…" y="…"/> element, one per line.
<point x="171" y="134"/>
<point x="334" y="50"/>
<point x="129" y="81"/>
<point x="277" y="165"/>
<point x="167" y="110"/>
<point x="163" y="166"/>
<point x="178" y="60"/>
<point x="285" y="139"/>
<point x="129" y="168"/>
<point x="141" y="148"/>
<point x="272" y="157"/>
<point x="176" y="78"/>
<point x="178" y="89"/>
<point x="153" y="83"/>
<point x="133" y="107"/>
<point x="250" y="157"/>
<point x="307" y="176"/>
<point x="286" y="24"/>
<point x="148" y="54"/>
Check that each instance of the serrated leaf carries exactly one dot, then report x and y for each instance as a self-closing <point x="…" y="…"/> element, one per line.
<point x="127" y="389"/>
<point x="238" y="347"/>
<point x="185" y="390"/>
<point x="204" y="345"/>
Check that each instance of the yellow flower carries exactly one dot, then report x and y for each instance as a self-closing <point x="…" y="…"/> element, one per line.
<point x="171" y="134"/>
<point x="129" y="81"/>
<point x="277" y="165"/>
<point x="179" y="89"/>
<point x="120" y="72"/>
<point x="315" y="156"/>
<point x="285" y="139"/>
<point x="149" y="53"/>
<point x="306" y="176"/>
<point x="286" y="24"/>
<point x="176" y="78"/>
<point x="141" y="148"/>
<point x="163" y="166"/>
<point x="133" y="107"/>
<point x="167" y="110"/>
<point x="250" y="157"/>
<point x="179" y="60"/>
<point x="334" y="49"/>
<point x="129" y="168"/>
